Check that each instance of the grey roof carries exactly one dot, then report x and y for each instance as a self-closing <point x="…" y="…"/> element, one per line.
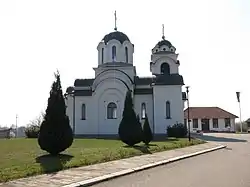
<point x="143" y="91"/>
<point x="83" y="82"/>
<point x="164" y="42"/>
<point x="172" y="79"/>
<point x="143" y="80"/>
<point x="83" y="92"/>
<point x="164" y="52"/>
<point x="117" y="35"/>
<point x="108" y="64"/>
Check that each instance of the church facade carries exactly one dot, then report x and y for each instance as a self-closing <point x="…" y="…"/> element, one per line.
<point x="95" y="106"/>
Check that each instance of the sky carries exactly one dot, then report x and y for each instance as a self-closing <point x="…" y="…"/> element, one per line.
<point x="37" y="38"/>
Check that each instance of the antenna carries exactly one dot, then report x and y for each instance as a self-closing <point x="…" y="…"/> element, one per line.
<point x="163" y="34"/>
<point x="115" y="22"/>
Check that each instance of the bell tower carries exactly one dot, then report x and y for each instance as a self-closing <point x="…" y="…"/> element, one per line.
<point x="163" y="58"/>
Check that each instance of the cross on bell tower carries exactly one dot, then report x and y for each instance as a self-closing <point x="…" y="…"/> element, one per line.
<point x="115" y="22"/>
<point x="163" y="34"/>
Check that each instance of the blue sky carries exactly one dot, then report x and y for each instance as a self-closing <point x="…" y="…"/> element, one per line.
<point x="38" y="37"/>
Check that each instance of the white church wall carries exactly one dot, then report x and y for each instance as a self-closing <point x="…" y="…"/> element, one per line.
<point x="87" y="126"/>
<point x="129" y="71"/>
<point x="130" y="51"/>
<point x="162" y="94"/>
<point x="69" y="109"/>
<point x="112" y="73"/>
<point x="111" y="90"/>
<point x="148" y="100"/>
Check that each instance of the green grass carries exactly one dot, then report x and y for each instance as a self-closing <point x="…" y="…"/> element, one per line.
<point x="23" y="157"/>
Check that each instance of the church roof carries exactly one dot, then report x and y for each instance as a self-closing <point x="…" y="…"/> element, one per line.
<point x="172" y="79"/>
<point x="164" y="42"/>
<point x="117" y="35"/>
<point x="83" y="82"/>
<point x="208" y="113"/>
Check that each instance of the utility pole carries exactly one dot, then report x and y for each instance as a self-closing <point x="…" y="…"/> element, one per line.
<point x="238" y="99"/>
<point x="16" y="124"/>
<point x="187" y="90"/>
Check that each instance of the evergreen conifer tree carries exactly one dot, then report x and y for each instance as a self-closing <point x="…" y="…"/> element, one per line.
<point x="130" y="131"/>
<point x="147" y="133"/>
<point x="55" y="133"/>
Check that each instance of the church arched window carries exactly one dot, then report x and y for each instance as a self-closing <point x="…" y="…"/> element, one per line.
<point x="168" y="114"/>
<point x="165" y="69"/>
<point x="143" y="110"/>
<point x="126" y="54"/>
<point x="83" y="111"/>
<point x="102" y="55"/>
<point x="111" y="111"/>
<point x="113" y="53"/>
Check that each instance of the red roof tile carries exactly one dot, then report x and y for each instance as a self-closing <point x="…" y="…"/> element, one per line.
<point x="208" y="112"/>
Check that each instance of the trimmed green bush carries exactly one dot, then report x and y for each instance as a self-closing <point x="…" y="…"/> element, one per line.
<point x="55" y="132"/>
<point x="32" y="131"/>
<point x="130" y="130"/>
<point x="178" y="130"/>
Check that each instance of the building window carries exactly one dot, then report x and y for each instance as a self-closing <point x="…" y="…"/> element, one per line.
<point x="215" y="123"/>
<point x="102" y="55"/>
<point x="168" y="115"/>
<point x="126" y="54"/>
<point x="227" y="122"/>
<point x="165" y="69"/>
<point x="143" y="110"/>
<point x="195" y="123"/>
<point x="83" y="111"/>
<point x="114" y="53"/>
<point x="112" y="111"/>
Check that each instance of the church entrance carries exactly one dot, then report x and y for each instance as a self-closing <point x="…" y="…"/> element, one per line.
<point x="205" y="125"/>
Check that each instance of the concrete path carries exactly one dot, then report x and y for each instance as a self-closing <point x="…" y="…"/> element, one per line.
<point x="228" y="167"/>
<point x="84" y="175"/>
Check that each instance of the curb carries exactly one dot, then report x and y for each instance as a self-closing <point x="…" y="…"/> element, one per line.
<point x="103" y="178"/>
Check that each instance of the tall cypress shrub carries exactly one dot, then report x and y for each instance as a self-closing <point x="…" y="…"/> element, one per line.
<point x="147" y="133"/>
<point x="55" y="133"/>
<point x="130" y="131"/>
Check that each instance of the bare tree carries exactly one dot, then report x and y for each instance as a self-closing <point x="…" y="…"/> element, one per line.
<point x="38" y="120"/>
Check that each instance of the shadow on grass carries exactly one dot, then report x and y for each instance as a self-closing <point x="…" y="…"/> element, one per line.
<point x="142" y="148"/>
<point x="51" y="163"/>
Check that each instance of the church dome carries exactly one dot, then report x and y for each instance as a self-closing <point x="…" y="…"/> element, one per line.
<point x="117" y="35"/>
<point x="164" y="42"/>
<point x="163" y="47"/>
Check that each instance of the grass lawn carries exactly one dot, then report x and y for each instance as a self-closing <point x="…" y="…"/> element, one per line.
<point x="23" y="157"/>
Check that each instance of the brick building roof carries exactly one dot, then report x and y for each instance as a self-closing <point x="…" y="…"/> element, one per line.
<point x="208" y="113"/>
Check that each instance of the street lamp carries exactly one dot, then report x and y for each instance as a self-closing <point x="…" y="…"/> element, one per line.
<point x="71" y="93"/>
<point x="187" y="91"/>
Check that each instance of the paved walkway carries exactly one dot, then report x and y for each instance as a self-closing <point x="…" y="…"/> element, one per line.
<point x="74" y="175"/>
<point x="227" y="167"/>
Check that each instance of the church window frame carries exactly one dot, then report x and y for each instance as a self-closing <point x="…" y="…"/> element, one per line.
<point x="83" y="111"/>
<point x="113" y="53"/>
<point x="168" y="110"/>
<point x="111" y="111"/>
<point x="165" y="68"/>
<point x="102" y="55"/>
<point x="126" y="54"/>
<point x="143" y="110"/>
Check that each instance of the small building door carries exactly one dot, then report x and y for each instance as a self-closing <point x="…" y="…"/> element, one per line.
<point x="205" y="125"/>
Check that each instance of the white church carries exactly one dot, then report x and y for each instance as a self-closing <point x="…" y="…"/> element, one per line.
<point x="95" y="106"/>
